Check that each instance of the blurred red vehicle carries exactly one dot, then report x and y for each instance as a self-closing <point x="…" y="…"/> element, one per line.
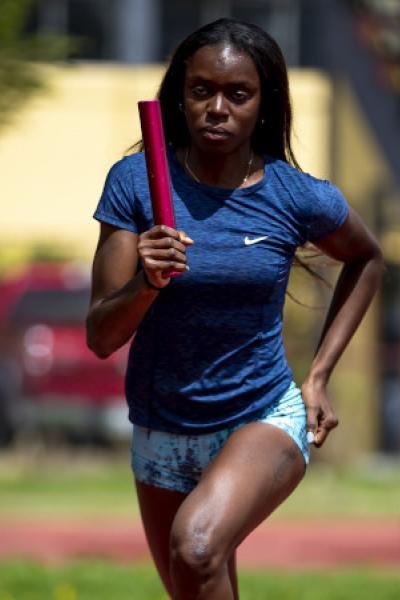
<point x="49" y="379"/>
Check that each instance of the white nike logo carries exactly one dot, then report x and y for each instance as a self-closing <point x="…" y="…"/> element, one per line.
<point x="248" y="241"/>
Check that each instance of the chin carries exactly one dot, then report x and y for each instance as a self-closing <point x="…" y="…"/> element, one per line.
<point x="216" y="145"/>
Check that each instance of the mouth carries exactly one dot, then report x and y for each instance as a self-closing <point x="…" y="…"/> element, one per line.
<point x="215" y="133"/>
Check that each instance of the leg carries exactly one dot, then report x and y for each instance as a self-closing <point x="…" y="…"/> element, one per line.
<point x="258" y="467"/>
<point x="158" y="508"/>
<point x="232" y="573"/>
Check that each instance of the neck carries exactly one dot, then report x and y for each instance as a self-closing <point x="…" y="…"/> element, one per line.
<point x="226" y="170"/>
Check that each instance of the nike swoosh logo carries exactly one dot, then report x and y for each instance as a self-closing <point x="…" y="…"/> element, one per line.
<point x="249" y="241"/>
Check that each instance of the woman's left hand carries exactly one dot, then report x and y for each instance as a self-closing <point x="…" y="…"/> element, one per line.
<point x="321" y="417"/>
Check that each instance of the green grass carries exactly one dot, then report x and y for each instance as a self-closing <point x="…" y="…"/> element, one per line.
<point x="363" y="493"/>
<point x="85" y="580"/>
<point x="88" y="580"/>
<point x="79" y="483"/>
<point x="75" y="483"/>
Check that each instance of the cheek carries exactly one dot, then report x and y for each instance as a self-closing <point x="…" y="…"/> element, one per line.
<point x="248" y="114"/>
<point x="248" y="119"/>
<point x="193" y="113"/>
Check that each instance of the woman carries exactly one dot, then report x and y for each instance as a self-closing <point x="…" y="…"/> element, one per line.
<point x="220" y="428"/>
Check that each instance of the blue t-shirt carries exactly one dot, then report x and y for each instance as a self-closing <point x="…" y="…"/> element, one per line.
<point x="209" y="352"/>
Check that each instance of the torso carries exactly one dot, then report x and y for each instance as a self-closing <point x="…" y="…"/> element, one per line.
<point x="209" y="352"/>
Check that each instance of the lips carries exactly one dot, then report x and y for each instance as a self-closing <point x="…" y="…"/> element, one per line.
<point x="215" y="133"/>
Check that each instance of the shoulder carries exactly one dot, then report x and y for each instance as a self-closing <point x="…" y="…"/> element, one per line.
<point x="307" y="190"/>
<point x="118" y="204"/>
<point x="316" y="202"/>
<point x="299" y="181"/>
<point x="128" y="166"/>
<point x="128" y="176"/>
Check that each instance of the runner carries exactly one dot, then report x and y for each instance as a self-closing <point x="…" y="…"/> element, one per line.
<point x="220" y="428"/>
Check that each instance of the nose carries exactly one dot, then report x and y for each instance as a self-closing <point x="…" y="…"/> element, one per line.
<point x="217" y="106"/>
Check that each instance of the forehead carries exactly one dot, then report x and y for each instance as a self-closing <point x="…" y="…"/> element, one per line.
<point x="223" y="63"/>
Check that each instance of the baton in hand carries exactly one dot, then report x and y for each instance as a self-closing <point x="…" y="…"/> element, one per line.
<point x="157" y="166"/>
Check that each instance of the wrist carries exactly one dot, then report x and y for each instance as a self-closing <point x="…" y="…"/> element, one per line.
<point x="149" y="284"/>
<point x="317" y="378"/>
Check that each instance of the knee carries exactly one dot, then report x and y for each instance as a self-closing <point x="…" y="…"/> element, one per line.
<point x="195" y="552"/>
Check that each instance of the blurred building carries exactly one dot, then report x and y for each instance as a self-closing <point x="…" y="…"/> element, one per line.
<point x="144" y="31"/>
<point x="345" y="79"/>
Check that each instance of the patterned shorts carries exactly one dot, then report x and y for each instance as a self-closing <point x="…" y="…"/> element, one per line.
<point x="176" y="462"/>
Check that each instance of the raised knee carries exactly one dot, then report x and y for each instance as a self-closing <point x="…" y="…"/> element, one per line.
<point x="194" y="552"/>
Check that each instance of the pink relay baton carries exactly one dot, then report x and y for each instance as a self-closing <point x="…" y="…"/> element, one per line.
<point x="157" y="166"/>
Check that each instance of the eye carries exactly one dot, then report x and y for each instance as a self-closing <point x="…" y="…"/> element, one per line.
<point x="200" y="91"/>
<point x="239" y="96"/>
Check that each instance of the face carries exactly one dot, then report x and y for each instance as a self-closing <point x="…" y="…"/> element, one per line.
<point x="222" y="98"/>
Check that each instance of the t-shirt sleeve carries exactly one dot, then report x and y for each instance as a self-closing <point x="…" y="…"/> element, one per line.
<point x="117" y="203"/>
<point x="328" y="211"/>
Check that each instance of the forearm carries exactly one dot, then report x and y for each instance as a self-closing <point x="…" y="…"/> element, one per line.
<point x="353" y="294"/>
<point x="113" y="320"/>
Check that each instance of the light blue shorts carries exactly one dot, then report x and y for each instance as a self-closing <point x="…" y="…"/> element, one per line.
<point x="176" y="462"/>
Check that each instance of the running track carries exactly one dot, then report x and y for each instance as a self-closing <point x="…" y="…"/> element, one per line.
<point x="302" y="545"/>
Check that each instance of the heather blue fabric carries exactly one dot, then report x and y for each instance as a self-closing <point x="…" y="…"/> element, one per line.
<point x="209" y="353"/>
<point x="176" y="461"/>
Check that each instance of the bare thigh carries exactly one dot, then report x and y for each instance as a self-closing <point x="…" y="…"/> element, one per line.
<point x="258" y="467"/>
<point x="158" y="508"/>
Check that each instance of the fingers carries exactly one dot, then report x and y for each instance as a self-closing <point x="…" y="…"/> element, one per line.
<point x="318" y="427"/>
<point x="162" y="243"/>
<point x="325" y="426"/>
<point x="150" y="264"/>
<point x="312" y="418"/>
<point x="185" y="239"/>
<point x="165" y="250"/>
<point x="160" y="231"/>
<point x="163" y="231"/>
<point x="161" y="250"/>
<point x="320" y="421"/>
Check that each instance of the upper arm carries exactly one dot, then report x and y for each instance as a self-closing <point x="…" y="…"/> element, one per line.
<point x="115" y="261"/>
<point x="116" y="257"/>
<point x="352" y="241"/>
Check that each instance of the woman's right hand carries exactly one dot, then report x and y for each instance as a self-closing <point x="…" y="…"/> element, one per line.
<point x="162" y="249"/>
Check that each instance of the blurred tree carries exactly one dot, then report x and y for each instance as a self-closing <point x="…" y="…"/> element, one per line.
<point x="20" y="75"/>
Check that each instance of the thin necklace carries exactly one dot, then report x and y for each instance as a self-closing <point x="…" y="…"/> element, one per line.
<point x="245" y="178"/>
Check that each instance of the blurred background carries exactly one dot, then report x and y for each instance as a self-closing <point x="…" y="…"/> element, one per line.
<point x="71" y="73"/>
